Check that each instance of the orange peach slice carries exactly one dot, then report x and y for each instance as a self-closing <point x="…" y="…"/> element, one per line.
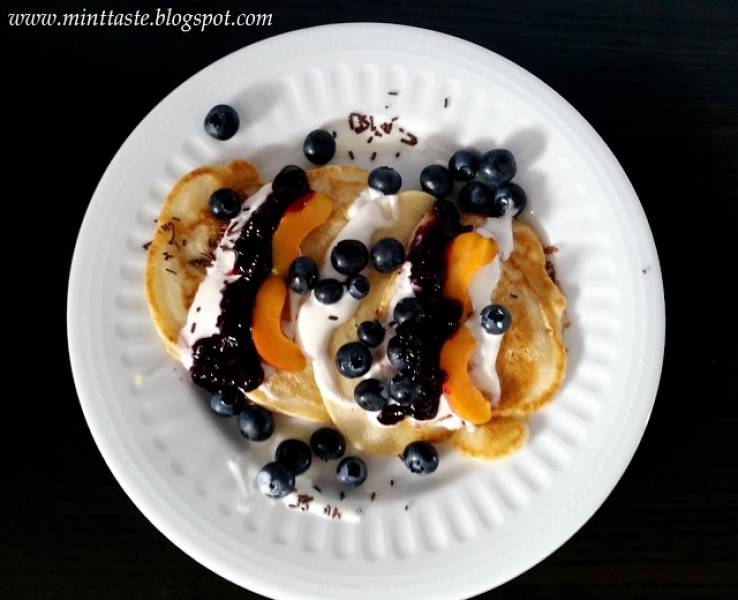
<point x="466" y="254"/>
<point x="271" y="344"/>
<point x="463" y="397"/>
<point x="302" y="216"/>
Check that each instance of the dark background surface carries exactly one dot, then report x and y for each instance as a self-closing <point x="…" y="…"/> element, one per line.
<point x="658" y="80"/>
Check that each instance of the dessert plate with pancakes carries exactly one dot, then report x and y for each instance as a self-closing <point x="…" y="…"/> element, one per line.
<point x="323" y="378"/>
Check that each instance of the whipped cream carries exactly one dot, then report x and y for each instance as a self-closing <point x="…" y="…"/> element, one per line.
<point x="500" y="230"/>
<point x="202" y="318"/>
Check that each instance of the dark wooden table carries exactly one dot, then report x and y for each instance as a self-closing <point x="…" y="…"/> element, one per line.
<point x="658" y="80"/>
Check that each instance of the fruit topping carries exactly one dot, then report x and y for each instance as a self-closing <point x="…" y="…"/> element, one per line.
<point x="295" y="455"/>
<point x="508" y="195"/>
<point x="495" y="319"/>
<point x="408" y="309"/>
<point x="266" y="327"/>
<point x="351" y="471"/>
<point x="370" y="395"/>
<point x="463" y="164"/>
<point x="497" y="166"/>
<point x="420" y="458"/>
<point x="302" y="274"/>
<point x="255" y="423"/>
<point x="222" y="122"/>
<point x="327" y="444"/>
<point x="402" y="390"/>
<point x="463" y="397"/>
<point x="353" y="359"/>
<point x="225" y="204"/>
<point x="387" y="255"/>
<point x="319" y="146"/>
<point x="370" y="333"/>
<point x="436" y="180"/>
<point x="385" y="180"/>
<point x="227" y="403"/>
<point x="275" y="480"/>
<point x="300" y="218"/>
<point x="348" y="257"/>
<point x="466" y="254"/>
<point x="476" y="197"/>
<point x="357" y="286"/>
<point x="328" y="291"/>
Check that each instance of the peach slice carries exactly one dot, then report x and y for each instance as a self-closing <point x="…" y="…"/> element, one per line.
<point x="271" y="344"/>
<point x="300" y="218"/>
<point x="463" y="397"/>
<point x="466" y="254"/>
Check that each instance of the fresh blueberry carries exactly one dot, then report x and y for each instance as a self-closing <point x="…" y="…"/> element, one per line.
<point x="328" y="291"/>
<point x="446" y="211"/>
<point x="275" y="480"/>
<point x="371" y="333"/>
<point x="436" y="180"/>
<point x="295" y="455"/>
<point x="402" y="390"/>
<point x="225" y="204"/>
<point x="302" y="274"/>
<point x="353" y="359"/>
<point x="464" y="164"/>
<point x="351" y="471"/>
<point x="408" y="309"/>
<point x="293" y="180"/>
<point x="495" y="319"/>
<point x="319" y="146"/>
<point x="256" y="423"/>
<point x="497" y="166"/>
<point x="396" y="354"/>
<point x="327" y="444"/>
<point x="421" y="458"/>
<point x="349" y="257"/>
<point x="475" y="197"/>
<point x="385" y="180"/>
<point x="387" y="255"/>
<point x="369" y="394"/>
<point x="506" y="195"/>
<point x="357" y="286"/>
<point x="222" y="122"/>
<point x="228" y="403"/>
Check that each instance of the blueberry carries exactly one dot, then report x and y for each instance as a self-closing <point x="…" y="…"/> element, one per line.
<point x="421" y="458"/>
<point x="408" y="309"/>
<point x="436" y="180"/>
<point x="357" y="286"/>
<point x="497" y="166"/>
<point x="328" y="291"/>
<point x="319" y="146"/>
<point x="396" y="354"/>
<point x="351" y="471"/>
<point x="353" y="359"/>
<point x="475" y="197"/>
<point x="222" y="122"/>
<point x="293" y="180"/>
<point x="371" y="333"/>
<point x="228" y="403"/>
<point x="302" y="275"/>
<point x="385" y="180"/>
<point x="225" y="204"/>
<point x="275" y="480"/>
<point x="349" y="257"/>
<point x="295" y="455"/>
<point x="464" y="164"/>
<point x="402" y="390"/>
<point x="327" y="444"/>
<point x="369" y="394"/>
<point x="506" y="195"/>
<point x="446" y="211"/>
<point x="495" y="319"/>
<point x="256" y="423"/>
<point x="387" y="255"/>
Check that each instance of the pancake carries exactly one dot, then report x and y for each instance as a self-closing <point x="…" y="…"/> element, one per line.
<point x="185" y="236"/>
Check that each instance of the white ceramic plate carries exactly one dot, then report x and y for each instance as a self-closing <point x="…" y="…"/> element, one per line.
<point x="471" y="526"/>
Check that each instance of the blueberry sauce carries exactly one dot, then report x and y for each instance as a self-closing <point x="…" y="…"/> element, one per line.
<point x="229" y="359"/>
<point x="417" y="346"/>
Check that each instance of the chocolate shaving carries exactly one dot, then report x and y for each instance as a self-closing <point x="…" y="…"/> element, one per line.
<point x="192" y="329"/>
<point x="394" y="119"/>
<point x="386" y="127"/>
<point x="334" y="134"/>
<point x="198" y="262"/>
<point x="147" y="245"/>
<point x="550" y="250"/>
<point x="407" y="506"/>
<point x="369" y="141"/>
<point x="303" y="502"/>
<point x="411" y="139"/>
<point x="397" y="155"/>
<point x="445" y="102"/>
<point x="184" y="242"/>
<point x="513" y="296"/>
<point x="333" y="317"/>
<point x="198" y="309"/>
<point x="176" y="219"/>
<point x="373" y="156"/>
<point x="341" y="495"/>
<point x="351" y="155"/>
<point x="392" y="482"/>
<point x="393" y="93"/>
<point x="551" y="271"/>
<point x="317" y="489"/>
<point x="166" y="255"/>
<point x="373" y="496"/>
<point x="172" y="272"/>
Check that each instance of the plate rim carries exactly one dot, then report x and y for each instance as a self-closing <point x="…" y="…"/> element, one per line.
<point x="136" y="490"/>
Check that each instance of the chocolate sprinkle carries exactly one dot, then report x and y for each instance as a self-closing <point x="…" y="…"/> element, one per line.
<point x="351" y="155"/>
<point x="192" y="329"/>
<point x="373" y="156"/>
<point x="369" y="141"/>
<point x="394" y="93"/>
<point x="333" y="317"/>
<point x="317" y="489"/>
<point x="373" y="496"/>
<point x="445" y="103"/>
<point x="341" y="495"/>
<point x="147" y="245"/>
<point x="172" y="272"/>
<point x="397" y="155"/>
